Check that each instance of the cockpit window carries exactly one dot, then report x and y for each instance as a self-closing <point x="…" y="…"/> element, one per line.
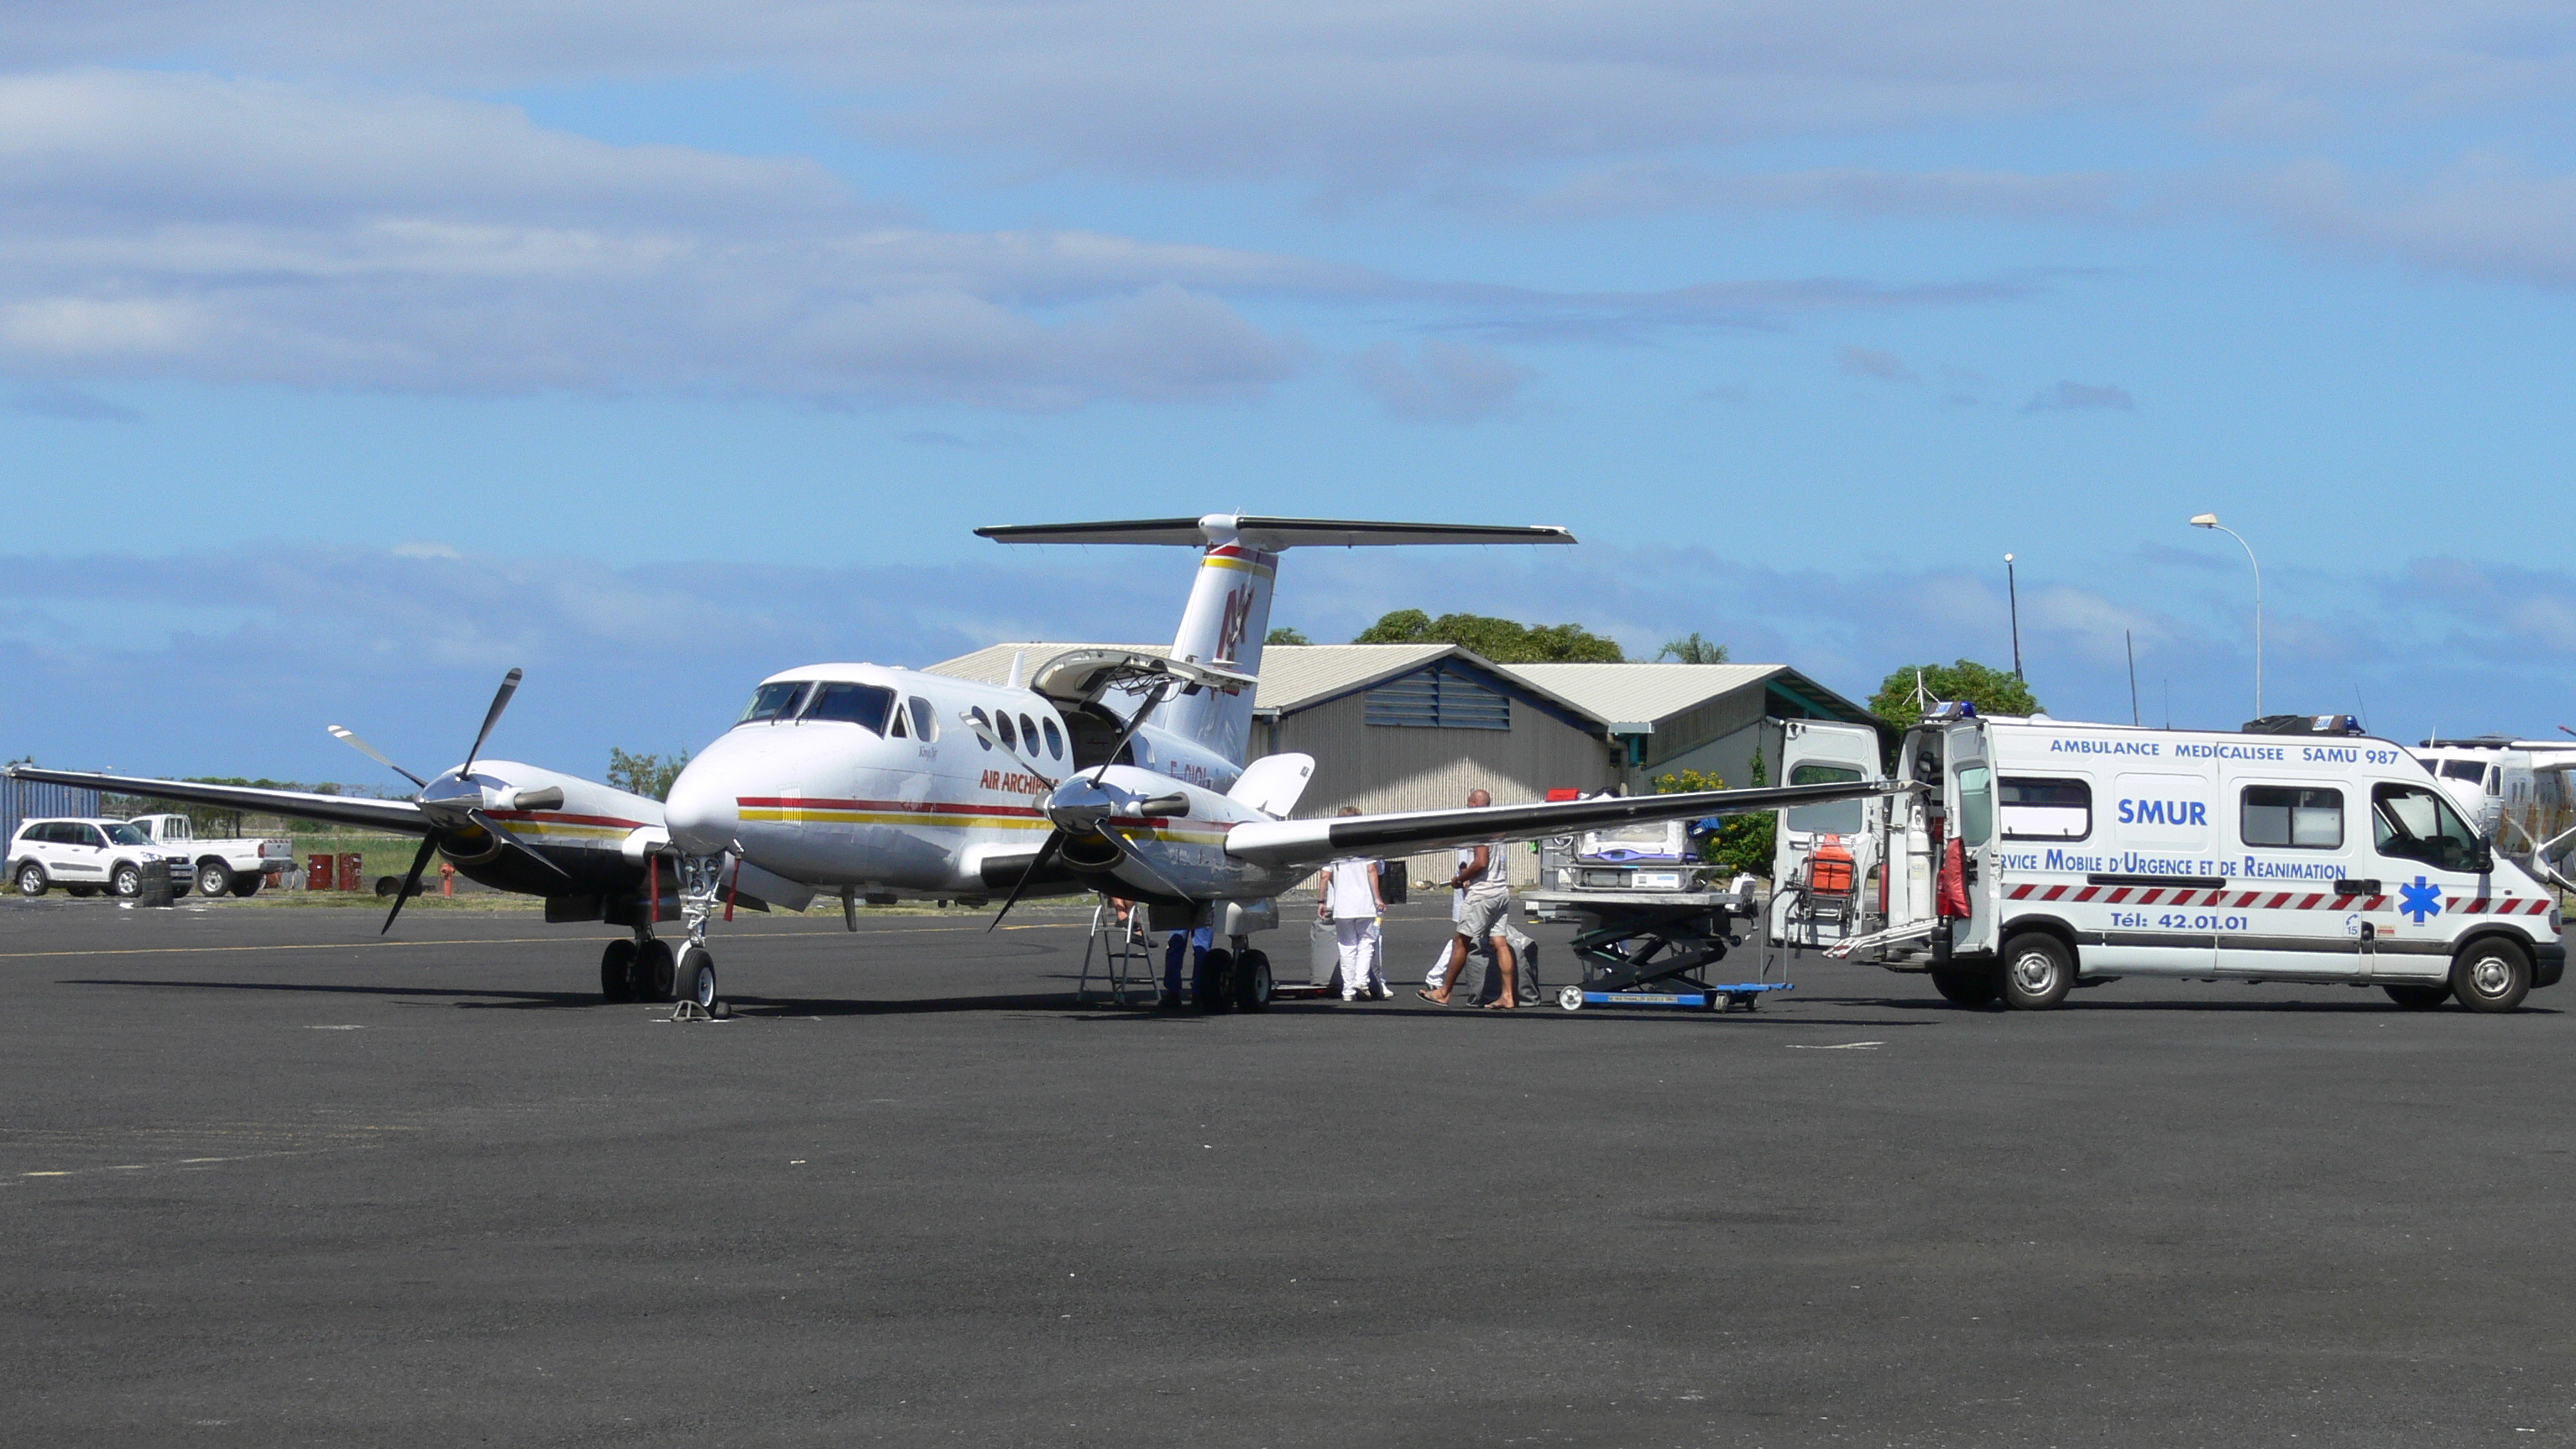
<point x="775" y="701"/>
<point x="1055" y="740"/>
<point x="981" y="742"/>
<point x="865" y="705"/>
<point x="925" y="720"/>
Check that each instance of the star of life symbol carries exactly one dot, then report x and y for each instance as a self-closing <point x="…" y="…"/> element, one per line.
<point x="2419" y="900"/>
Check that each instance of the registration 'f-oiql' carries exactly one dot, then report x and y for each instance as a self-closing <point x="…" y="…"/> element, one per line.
<point x="2041" y="855"/>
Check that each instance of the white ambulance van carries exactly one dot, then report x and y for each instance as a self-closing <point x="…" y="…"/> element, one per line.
<point x="2042" y="854"/>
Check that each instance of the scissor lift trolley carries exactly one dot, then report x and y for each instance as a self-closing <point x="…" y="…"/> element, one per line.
<point x="1654" y="948"/>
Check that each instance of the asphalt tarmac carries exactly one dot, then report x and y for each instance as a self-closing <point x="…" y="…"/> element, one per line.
<point x="268" y="1181"/>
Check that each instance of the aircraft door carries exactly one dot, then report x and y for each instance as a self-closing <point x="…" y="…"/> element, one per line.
<point x="1826" y="859"/>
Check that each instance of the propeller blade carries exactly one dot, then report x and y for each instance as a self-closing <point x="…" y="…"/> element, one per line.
<point x="500" y="702"/>
<point x="1153" y="701"/>
<point x="411" y="882"/>
<point x="1137" y="858"/>
<point x="506" y="838"/>
<point x="985" y="732"/>
<point x="350" y="738"/>
<point x="1045" y="853"/>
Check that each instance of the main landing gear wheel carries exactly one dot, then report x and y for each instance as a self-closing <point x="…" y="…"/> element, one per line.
<point x="31" y="879"/>
<point x="1962" y="986"/>
<point x="1212" y="982"/>
<point x="2491" y="974"/>
<point x="1252" y="982"/>
<point x="617" y="972"/>
<point x="2419" y="998"/>
<point x="1571" y="998"/>
<point x="2038" y="972"/>
<point x="698" y="977"/>
<point x="656" y="971"/>
<point x="213" y="879"/>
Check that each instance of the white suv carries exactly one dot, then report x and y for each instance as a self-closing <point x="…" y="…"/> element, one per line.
<point x="86" y="856"/>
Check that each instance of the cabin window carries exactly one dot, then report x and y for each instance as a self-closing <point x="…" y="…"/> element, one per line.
<point x="2046" y="809"/>
<point x="859" y="704"/>
<point x="2409" y="822"/>
<point x="2293" y="817"/>
<point x="1029" y="733"/>
<point x="1002" y="727"/>
<point x="1439" y="697"/>
<point x="1055" y="740"/>
<point x="1838" y="817"/>
<point x="925" y="720"/>
<point x="775" y="701"/>
<point x="2471" y="770"/>
<point x="1976" y="805"/>
<point x="978" y="714"/>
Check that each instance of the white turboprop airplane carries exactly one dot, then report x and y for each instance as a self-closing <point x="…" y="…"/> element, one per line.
<point x="860" y="780"/>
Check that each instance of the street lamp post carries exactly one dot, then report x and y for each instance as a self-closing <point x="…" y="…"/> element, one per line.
<point x="2012" y="591"/>
<point x="2210" y="520"/>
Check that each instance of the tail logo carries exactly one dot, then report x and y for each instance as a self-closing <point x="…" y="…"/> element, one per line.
<point x="1231" y="629"/>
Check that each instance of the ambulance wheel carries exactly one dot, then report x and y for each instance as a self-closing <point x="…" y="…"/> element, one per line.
<point x="1252" y="981"/>
<point x="617" y="972"/>
<point x="1212" y="981"/>
<point x="2491" y="974"/>
<point x="1571" y="998"/>
<point x="656" y="971"/>
<point x="2419" y="998"/>
<point x="2038" y="972"/>
<point x="1966" y="987"/>
<point x="698" y="977"/>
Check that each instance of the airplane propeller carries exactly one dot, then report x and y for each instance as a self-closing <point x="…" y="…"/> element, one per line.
<point x="459" y="808"/>
<point x="1091" y="815"/>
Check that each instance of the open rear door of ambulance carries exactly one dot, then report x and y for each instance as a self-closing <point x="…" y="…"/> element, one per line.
<point x="1825" y="859"/>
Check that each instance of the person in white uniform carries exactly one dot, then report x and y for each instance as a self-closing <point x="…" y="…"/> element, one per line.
<point x="1353" y="901"/>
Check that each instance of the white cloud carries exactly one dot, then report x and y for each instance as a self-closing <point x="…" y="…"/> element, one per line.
<point x="1451" y="383"/>
<point x="2072" y="397"/>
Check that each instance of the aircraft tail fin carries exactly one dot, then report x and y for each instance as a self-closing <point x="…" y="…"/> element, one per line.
<point x="1228" y="614"/>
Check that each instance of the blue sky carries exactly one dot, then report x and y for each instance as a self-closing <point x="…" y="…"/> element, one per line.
<point x="348" y="359"/>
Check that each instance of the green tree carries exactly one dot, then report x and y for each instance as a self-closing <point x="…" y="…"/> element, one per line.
<point x="1743" y="844"/>
<point x="1693" y="650"/>
<point x="1991" y="690"/>
<point x="1499" y="640"/>
<point x="1284" y="635"/>
<point x="645" y="774"/>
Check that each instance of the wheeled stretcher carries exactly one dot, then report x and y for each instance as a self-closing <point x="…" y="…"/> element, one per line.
<point x="1654" y="948"/>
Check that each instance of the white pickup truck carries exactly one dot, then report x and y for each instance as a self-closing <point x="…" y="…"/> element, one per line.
<point x="218" y="866"/>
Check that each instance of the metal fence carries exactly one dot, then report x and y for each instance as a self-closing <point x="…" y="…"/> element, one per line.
<point x="23" y="800"/>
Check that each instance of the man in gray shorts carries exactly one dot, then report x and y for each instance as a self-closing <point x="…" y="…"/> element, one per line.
<point x="1485" y="915"/>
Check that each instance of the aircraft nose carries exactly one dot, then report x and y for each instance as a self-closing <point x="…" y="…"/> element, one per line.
<point x="701" y="814"/>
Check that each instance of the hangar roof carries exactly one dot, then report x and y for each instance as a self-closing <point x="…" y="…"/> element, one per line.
<point x="1292" y="675"/>
<point x="1296" y="675"/>
<point x="1644" y="693"/>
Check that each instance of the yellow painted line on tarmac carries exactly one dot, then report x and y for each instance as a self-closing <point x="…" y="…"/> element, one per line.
<point x="496" y="941"/>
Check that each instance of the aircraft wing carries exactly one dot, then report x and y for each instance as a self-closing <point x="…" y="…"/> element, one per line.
<point x="1312" y="842"/>
<point x="400" y="816"/>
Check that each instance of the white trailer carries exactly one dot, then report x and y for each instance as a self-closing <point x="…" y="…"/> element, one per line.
<point x="2043" y="854"/>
